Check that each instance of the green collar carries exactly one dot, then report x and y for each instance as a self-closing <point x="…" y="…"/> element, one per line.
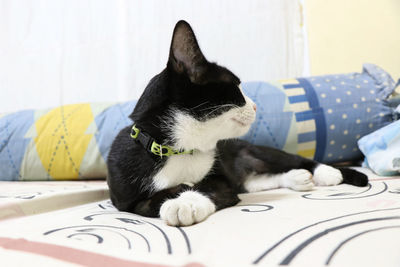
<point x="152" y="146"/>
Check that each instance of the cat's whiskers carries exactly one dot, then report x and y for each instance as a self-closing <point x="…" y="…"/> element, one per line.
<point x="200" y="105"/>
<point x="221" y="107"/>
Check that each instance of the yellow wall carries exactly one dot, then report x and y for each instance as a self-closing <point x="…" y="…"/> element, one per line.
<point x="343" y="34"/>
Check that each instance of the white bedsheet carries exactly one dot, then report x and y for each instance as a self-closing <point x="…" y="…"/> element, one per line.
<point x="338" y="226"/>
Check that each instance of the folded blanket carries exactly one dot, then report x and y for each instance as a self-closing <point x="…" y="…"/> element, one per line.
<point x="382" y="149"/>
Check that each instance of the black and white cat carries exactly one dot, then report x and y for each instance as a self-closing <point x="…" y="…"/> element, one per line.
<point x="195" y="109"/>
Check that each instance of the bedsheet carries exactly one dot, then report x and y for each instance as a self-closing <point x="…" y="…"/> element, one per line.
<point x="27" y="198"/>
<point x="336" y="226"/>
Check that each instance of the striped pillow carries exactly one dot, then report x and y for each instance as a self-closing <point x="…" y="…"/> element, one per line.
<point x="321" y="117"/>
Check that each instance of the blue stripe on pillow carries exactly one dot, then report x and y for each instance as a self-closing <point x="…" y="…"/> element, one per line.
<point x="304" y="115"/>
<point x="319" y="118"/>
<point x="290" y="86"/>
<point x="306" y="137"/>
<point x="297" y="99"/>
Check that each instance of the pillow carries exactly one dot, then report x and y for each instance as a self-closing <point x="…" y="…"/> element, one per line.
<point x="382" y="149"/>
<point x="319" y="117"/>
<point x="65" y="143"/>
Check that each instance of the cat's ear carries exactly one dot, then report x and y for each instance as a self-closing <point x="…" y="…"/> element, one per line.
<point x="185" y="55"/>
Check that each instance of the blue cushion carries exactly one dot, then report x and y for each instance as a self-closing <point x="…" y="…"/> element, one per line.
<point x="321" y="117"/>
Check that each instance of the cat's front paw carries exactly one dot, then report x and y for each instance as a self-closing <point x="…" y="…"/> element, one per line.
<point x="298" y="179"/>
<point x="189" y="208"/>
<point x="326" y="175"/>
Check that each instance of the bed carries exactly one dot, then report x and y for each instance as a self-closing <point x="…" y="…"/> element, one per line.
<point x="73" y="223"/>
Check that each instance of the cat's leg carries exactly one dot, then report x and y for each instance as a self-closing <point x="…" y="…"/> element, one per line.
<point x="266" y="168"/>
<point x="325" y="175"/>
<point x="195" y="205"/>
<point x="177" y="206"/>
<point x="186" y="209"/>
<point x="297" y="179"/>
<point x="304" y="180"/>
<point x="150" y="207"/>
<point x="185" y="205"/>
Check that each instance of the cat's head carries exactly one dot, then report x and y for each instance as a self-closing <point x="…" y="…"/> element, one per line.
<point x="193" y="103"/>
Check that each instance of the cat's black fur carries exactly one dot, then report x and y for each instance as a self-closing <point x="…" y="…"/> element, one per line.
<point x="194" y="86"/>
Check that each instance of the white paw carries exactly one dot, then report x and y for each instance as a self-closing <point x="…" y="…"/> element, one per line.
<point x="189" y="208"/>
<point x="327" y="175"/>
<point x="298" y="179"/>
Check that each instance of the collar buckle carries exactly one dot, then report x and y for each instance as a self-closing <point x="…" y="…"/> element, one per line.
<point x="152" y="146"/>
<point x="134" y="132"/>
<point x="161" y="150"/>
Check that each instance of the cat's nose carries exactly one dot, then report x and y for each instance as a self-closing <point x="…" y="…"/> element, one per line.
<point x="255" y="107"/>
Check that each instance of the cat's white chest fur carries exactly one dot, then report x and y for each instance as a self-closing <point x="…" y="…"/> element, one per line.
<point x="180" y="169"/>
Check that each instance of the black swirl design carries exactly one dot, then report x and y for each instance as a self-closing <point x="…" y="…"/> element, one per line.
<point x="135" y="221"/>
<point x="32" y="195"/>
<point x="23" y="195"/>
<point x="369" y="192"/>
<point x="107" y="205"/>
<point x="296" y="251"/>
<point x="395" y="191"/>
<point x="288" y="259"/>
<point x="132" y="221"/>
<point x="336" y="250"/>
<point x="189" y="247"/>
<point x="99" y="238"/>
<point x="255" y="207"/>
<point x="89" y="230"/>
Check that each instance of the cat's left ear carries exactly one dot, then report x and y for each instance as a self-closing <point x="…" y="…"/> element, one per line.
<point x="185" y="55"/>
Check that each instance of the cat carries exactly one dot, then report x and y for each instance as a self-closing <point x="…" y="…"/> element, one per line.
<point x="196" y="109"/>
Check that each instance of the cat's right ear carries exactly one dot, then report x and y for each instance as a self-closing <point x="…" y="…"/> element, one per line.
<point x="185" y="56"/>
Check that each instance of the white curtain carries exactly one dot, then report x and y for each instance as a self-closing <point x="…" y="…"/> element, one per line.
<point x="68" y="51"/>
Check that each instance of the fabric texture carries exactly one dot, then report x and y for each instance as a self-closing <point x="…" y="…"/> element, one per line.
<point x="336" y="226"/>
<point x="19" y="199"/>
<point x="112" y="52"/>
<point x="321" y="118"/>
<point x="65" y="143"/>
<point x="382" y="149"/>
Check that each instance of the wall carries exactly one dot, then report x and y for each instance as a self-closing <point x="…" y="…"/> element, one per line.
<point x="61" y="52"/>
<point x="344" y="34"/>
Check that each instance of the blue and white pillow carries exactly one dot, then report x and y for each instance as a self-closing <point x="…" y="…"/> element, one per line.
<point x="321" y="117"/>
<point x="318" y="117"/>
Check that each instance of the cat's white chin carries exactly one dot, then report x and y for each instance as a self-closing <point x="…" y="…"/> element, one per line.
<point x="240" y="130"/>
<point x="190" y="133"/>
<point x="241" y="123"/>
